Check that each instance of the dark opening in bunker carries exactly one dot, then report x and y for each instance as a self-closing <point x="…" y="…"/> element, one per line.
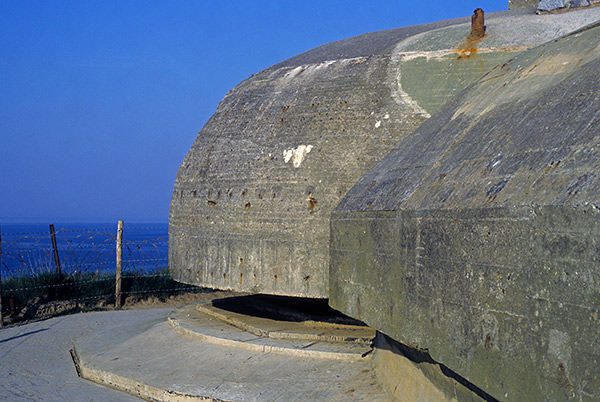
<point x="285" y="308"/>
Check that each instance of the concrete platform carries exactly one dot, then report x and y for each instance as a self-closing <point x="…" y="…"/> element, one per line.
<point x="189" y="355"/>
<point x="36" y="365"/>
<point x="307" y="328"/>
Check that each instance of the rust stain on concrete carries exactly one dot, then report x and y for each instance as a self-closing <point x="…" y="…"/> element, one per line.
<point x="469" y="46"/>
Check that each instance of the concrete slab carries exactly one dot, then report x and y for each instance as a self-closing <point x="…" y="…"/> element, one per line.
<point x="148" y="358"/>
<point x="304" y="330"/>
<point x="35" y="364"/>
<point x="191" y="322"/>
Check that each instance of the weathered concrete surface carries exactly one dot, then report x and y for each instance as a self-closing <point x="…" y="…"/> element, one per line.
<point x="514" y="4"/>
<point x="278" y="329"/>
<point x="217" y="362"/>
<point x="552" y="5"/>
<point x="410" y="375"/>
<point x="36" y="364"/>
<point x="477" y="239"/>
<point x="252" y="200"/>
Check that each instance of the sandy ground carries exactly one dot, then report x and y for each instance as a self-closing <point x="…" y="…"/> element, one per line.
<point x="35" y="362"/>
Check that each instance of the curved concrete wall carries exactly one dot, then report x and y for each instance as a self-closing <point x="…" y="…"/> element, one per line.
<point x="477" y="240"/>
<point x="253" y="198"/>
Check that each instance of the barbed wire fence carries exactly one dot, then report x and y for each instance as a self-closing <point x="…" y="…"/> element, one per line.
<point x="70" y="268"/>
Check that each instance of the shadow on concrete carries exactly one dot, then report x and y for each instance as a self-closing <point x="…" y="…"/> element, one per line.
<point x="285" y="308"/>
<point x="419" y="356"/>
<point x="23" y="335"/>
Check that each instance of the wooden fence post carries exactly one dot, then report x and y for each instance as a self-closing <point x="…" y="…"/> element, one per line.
<point x="119" y="264"/>
<point x="56" y="259"/>
<point x="1" y="317"/>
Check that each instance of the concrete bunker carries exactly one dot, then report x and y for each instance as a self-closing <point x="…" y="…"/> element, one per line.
<point x="477" y="240"/>
<point x="253" y="198"/>
<point x="432" y="244"/>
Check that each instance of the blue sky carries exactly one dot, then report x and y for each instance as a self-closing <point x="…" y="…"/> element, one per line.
<point x="100" y="101"/>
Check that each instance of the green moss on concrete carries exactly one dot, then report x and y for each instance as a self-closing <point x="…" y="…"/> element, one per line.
<point x="510" y="323"/>
<point x="449" y="74"/>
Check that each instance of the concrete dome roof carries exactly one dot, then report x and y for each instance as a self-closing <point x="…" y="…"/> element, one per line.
<point x="253" y="198"/>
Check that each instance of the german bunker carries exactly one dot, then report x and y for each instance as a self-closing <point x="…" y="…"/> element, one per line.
<point x="253" y="198"/>
<point x="477" y="240"/>
<point x="438" y="186"/>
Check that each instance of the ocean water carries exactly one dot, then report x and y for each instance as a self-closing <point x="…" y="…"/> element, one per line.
<point x="82" y="248"/>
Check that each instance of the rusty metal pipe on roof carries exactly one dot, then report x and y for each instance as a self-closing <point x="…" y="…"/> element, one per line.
<point x="477" y="24"/>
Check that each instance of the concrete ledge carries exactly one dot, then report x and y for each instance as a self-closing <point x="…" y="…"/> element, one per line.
<point x="304" y="330"/>
<point x="190" y="322"/>
<point x="132" y="387"/>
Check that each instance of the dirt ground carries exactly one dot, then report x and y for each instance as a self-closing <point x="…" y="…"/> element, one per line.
<point x="175" y="300"/>
<point x="39" y="309"/>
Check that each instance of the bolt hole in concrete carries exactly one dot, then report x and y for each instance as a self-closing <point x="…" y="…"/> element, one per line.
<point x="312" y="202"/>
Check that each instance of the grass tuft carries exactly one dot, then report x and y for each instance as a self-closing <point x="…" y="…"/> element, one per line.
<point x="46" y="294"/>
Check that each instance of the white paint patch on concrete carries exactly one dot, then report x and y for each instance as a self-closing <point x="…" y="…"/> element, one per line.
<point x="294" y="72"/>
<point x="304" y="74"/>
<point x="307" y="70"/>
<point x="297" y="155"/>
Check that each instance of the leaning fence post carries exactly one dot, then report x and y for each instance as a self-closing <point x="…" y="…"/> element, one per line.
<point x="1" y="317"/>
<point x="119" y="264"/>
<point x="56" y="260"/>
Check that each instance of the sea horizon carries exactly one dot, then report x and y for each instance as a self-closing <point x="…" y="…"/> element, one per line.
<point x="72" y="221"/>
<point x="82" y="247"/>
